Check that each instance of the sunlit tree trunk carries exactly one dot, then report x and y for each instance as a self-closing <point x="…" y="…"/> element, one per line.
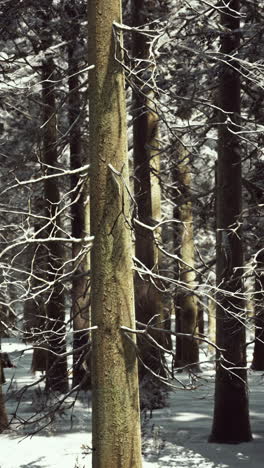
<point x="231" y="414"/>
<point x="186" y="301"/>
<point x="211" y="327"/>
<point x="116" y="420"/>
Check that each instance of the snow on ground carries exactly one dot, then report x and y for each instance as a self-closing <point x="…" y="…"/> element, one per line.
<point x="176" y="436"/>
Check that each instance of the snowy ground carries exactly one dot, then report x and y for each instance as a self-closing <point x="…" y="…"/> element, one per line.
<point x="176" y="436"/>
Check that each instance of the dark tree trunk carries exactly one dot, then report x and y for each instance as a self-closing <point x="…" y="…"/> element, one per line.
<point x="56" y="375"/>
<point x="39" y="359"/>
<point x="3" y="414"/>
<point x="80" y="284"/>
<point x="148" y="299"/>
<point x="56" y="372"/>
<point x="258" y="355"/>
<point x="231" y="414"/>
<point x="35" y="314"/>
<point x="201" y="320"/>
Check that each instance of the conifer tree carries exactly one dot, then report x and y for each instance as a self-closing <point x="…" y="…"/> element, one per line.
<point x="56" y="375"/>
<point x="231" y="412"/>
<point x="115" y="418"/>
<point x="146" y="158"/>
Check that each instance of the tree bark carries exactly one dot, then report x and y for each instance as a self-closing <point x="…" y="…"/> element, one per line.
<point x="258" y="354"/>
<point x="35" y="314"/>
<point x="148" y="298"/>
<point x="3" y="413"/>
<point x="116" y="424"/>
<point x="186" y="301"/>
<point x="211" y="327"/>
<point x="231" y="414"/>
<point x="56" y="372"/>
<point x="80" y="283"/>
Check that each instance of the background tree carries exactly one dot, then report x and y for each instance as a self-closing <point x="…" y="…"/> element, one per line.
<point x="74" y="13"/>
<point x="3" y="414"/>
<point x="231" y="413"/>
<point x="258" y="359"/>
<point x="187" y="349"/>
<point x="56" y="375"/>
<point x="146" y="159"/>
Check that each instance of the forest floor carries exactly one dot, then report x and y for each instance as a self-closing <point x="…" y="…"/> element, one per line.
<point x="175" y="436"/>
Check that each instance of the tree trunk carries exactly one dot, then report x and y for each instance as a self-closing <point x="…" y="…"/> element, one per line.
<point x="211" y="326"/>
<point x="39" y="358"/>
<point x="148" y="298"/>
<point x="3" y="414"/>
<point x="186" y="301"/>
<point x="201" y="329"/>
<point x="80" y="284"/>
<point x="35" y="314"/>
<point x="231" y="414"/>
<point x="258" y="355"/>
<point x="177" y="362"/>
<point x="56" y="375"/>
<point x="56" y="372"/>
<point x="6" y="322"/>
<point x="116" y="416"/>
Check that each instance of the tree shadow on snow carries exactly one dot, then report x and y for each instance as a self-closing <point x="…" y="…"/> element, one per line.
<point x="33" y="464"/>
